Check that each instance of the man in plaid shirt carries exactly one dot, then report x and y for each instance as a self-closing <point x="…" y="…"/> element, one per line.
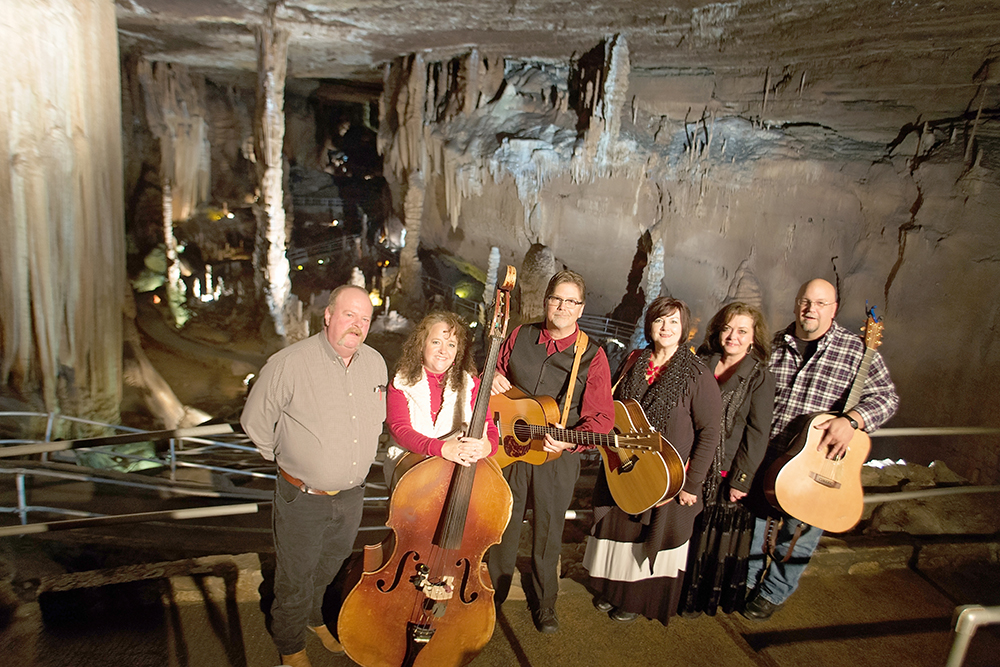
<point x="815" y="361"/>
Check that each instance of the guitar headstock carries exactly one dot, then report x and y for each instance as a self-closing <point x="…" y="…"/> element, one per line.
<point x="501" y="306"/>
<point x="648" y="441"/>
<point x="872" y="330"/>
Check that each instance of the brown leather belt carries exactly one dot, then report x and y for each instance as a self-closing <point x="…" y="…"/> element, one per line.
<point x="301" y="486"/>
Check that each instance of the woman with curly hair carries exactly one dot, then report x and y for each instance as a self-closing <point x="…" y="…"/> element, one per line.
<point x="430" y="399"/>
<point x="636" y="562"/>
<point x="736" y="349"/>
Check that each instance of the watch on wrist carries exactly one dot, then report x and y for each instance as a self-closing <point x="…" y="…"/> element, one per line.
<point x="852" y="420"/>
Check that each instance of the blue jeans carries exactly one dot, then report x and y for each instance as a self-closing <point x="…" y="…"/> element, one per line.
<point x="781" y="579"/>
<point x="313" y="535"/>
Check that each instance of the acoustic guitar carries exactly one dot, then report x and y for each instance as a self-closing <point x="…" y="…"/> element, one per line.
<point x="823" y="492"/>
<point x="642" y="468"/>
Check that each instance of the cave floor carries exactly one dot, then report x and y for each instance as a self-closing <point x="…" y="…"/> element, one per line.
<point x="167" y="618"/>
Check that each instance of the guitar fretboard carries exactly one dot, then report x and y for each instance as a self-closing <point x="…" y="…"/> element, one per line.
<point x="524" y="432"/>
<point x="859" y="380"/>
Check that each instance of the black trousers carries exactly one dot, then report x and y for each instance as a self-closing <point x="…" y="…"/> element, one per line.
<point x="550" y="487"/>
<point x="313" y="536"/>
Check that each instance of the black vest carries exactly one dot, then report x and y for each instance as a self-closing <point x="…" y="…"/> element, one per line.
<point x="536" y="373"/>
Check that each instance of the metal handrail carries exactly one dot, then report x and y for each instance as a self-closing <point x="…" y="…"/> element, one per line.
<point x="467" y="308"/>
<point x="334" y="246"/>
<point x="605" y="327"/>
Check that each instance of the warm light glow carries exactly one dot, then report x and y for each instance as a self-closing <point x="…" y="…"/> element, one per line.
<point x="299" y="267"/>
<point x="334" y="223"/>
<point x="156" y="298"/>
<point x="376" y="297"/>
<point x="462" y="291"/>
<point x="320" y="261"/>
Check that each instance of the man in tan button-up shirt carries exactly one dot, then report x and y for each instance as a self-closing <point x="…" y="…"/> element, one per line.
<point x="317" y="410"/>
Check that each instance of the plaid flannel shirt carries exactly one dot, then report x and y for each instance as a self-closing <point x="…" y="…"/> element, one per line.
<point x="824" y="382"/>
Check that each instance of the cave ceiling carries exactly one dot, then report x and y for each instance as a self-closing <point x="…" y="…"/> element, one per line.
<point x="822" y="61"/>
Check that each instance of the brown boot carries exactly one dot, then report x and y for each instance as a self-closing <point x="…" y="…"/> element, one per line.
<point x="331" y="644"/>
<point x="299" y="659"/>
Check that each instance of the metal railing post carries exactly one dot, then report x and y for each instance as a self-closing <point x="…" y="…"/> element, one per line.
<point x="22" y="498"/>
<point x="173" y="459"/>
<point x="967" y="620"/>
<point x="49" y="423"/>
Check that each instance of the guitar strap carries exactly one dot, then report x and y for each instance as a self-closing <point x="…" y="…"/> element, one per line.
<point x="579" y="347"/>
<point x="771" y="537"/>
<point x="633" y="356"/>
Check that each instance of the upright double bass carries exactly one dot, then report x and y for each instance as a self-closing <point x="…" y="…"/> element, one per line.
<point x="424" y="598"/>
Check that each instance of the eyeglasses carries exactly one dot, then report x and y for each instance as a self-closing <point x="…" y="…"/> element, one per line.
<point x="559" y="301"/>
<point x="807" y="303"/>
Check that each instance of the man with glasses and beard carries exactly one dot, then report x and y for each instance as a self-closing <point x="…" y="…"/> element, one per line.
<point x="815" y="361"/>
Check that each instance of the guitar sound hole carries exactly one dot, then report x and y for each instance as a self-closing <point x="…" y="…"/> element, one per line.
<point x="522" y="431"/>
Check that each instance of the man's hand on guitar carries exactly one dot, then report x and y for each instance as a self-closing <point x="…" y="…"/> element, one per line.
<point x="837" y="438"/>
<point x="556" y="446"/>
<point x="500" y="385"/>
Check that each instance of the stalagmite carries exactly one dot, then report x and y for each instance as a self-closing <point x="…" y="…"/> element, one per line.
<point x="270" y="263"/>
<point x="62" y="253"/>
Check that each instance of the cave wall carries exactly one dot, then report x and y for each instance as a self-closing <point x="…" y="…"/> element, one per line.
<point x="585" y="158"/>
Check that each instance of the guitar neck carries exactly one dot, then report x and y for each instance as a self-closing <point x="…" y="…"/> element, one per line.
<point x="859" y="380"/>
<point x="576" y="437"/>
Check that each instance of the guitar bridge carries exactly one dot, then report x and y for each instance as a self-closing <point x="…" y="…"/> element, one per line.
<point x="824" y="480"/>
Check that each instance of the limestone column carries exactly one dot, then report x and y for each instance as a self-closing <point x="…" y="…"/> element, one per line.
<point x="62" y="253"/>
<point x="175" y="111"/>
<point x="410" y="270"/>
<point x="270" y="263"/>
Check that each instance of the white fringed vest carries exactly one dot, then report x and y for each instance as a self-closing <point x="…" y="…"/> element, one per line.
<point x="418" y="401"/>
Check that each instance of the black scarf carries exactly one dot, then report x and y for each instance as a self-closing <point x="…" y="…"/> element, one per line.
<point x="660" y="398"/>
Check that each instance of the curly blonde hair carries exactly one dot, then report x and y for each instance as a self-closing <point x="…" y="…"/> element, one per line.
<point x="411" y="361"/>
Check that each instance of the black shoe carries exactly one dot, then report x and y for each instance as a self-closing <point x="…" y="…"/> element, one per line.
<point x="603" y="605"/>
<point x="623" y="616"/>
<point x="546" y="621"/>
<point x="760" y="608"/>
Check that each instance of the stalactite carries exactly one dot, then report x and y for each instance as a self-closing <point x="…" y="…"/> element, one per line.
<point x="269" y="133"/>
<point x="62" y="255"/>
<point x="175" y="111"/>
<point x="423" y="128"/>
<point x="616" y="83"/>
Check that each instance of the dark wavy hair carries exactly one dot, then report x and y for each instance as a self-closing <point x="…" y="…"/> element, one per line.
<point x="761" y="349"/>
<point x="411" y="361"/>
<point x="665" y="305"/>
